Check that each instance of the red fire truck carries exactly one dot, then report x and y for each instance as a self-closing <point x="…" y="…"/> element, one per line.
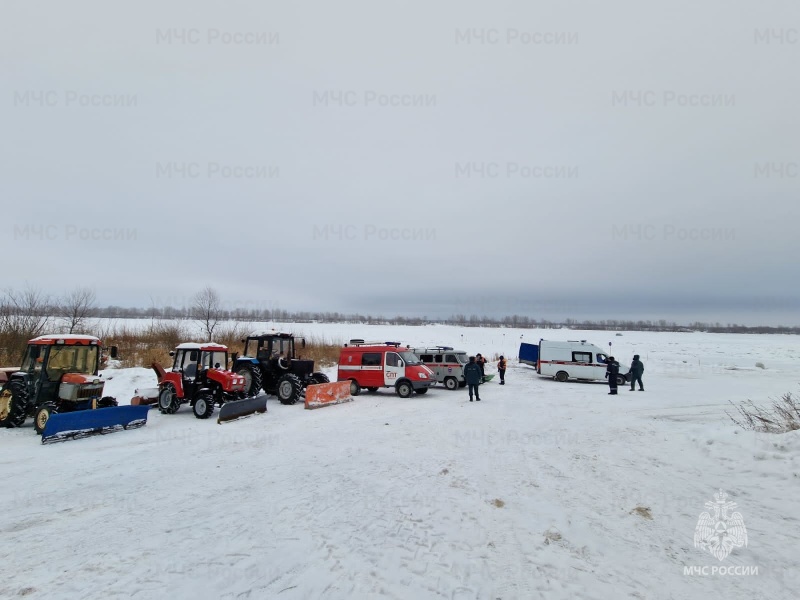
<point x="373" y="365"/>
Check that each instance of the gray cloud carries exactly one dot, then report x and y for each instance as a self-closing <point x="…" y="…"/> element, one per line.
<point x="600" y="160"/>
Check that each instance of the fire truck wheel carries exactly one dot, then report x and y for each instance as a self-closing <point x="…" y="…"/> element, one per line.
<point x="451" y="383"/>
<point x="13" y="404"/>
<point x="168" y="402"/>
<point x="203" y="406"/>
<point x="422" y="391"/>
<point x="562" y="376"/>
<point x="372" y="389"/>
<point x="252" y="378"/>
<point x="404" y="389"/>
<point x="319" y="378"/>
<point x="42" y="416"/>
<point x="289" y="388"/>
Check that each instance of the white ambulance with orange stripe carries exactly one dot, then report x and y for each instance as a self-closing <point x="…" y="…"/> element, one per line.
<point x="573" y="360"/>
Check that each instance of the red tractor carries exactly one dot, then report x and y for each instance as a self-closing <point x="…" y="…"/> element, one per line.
<point x="200" y="378"/>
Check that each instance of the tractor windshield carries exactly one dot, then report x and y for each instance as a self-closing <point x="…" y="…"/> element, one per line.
<point x="71" y="359"/>
<point x="282" y="347"/>
<point x="210" y="360"/>
<point x="410" y="358"/>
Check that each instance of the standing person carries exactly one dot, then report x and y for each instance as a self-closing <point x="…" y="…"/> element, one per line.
<point x="482" y="364"/>
<point x="501" y="369"/>
<point x="473" y="377"/>
<point x="612" y="370"/>
<point x="636" y="371"/>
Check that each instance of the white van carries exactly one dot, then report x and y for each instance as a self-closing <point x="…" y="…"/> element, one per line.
<point x="573" y="360"/>
<point x="446" y="363"/>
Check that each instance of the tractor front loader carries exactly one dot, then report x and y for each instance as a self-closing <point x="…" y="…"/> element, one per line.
<point x="59" y="386"/>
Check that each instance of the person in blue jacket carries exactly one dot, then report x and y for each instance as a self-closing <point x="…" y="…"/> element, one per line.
<point x="473" y="377"/>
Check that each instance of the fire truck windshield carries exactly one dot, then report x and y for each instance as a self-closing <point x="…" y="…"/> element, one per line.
<point x="410" y="358"/>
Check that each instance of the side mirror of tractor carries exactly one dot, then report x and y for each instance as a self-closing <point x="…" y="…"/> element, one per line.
<point x="234" y="356"/>
<point x="303" y="343"/>
<point x="114" y="352"/>
<point x="172" y="352"/>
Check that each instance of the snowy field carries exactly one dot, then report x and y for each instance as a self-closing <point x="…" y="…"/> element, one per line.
<point x="542" y="490"/>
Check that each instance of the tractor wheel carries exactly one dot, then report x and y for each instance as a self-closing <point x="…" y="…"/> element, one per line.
<point x="107" y="402"/>
<point x="404" y="389"/>
<point x="252" y="378"/>
<point x="422" y="391"/>
<point x="355" y="389"/>
<point x="451" y="383"/>
<point x="43" y="415"/>
<point x="203" y="406"/>
<point x="562" y="376"/>
<point x="289" y="388"/>
<point x="13" y="404"/>
<point x="168" y="402"/>
<point x="319" y="378"/>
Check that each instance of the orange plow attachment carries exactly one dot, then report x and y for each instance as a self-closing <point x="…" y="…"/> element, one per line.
<point x="327" y="394"/>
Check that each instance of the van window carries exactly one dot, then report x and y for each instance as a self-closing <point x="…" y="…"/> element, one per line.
<point x="426" y="358"/>
<point x="582" y="357"/>
<point x="602" y="359"/>
<point x="371" y="359"/>
<point x="450" y="358"/>
<point x="438" y="358"/>
<point x="392" y="359"/>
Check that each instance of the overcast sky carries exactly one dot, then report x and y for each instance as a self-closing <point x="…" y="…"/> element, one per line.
<point x="556" y="159"/>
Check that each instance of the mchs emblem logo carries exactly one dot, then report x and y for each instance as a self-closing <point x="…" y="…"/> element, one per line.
<point x="720" y="530"/>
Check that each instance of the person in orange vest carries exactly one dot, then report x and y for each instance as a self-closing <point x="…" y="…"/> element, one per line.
<point x="482" y="364"/>
<point x="501" y="369"/>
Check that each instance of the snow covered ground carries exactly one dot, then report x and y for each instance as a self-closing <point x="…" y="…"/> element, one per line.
<point x="542" y="490"/>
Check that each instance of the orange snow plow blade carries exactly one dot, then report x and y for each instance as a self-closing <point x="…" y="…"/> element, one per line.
<point x="326" y="394"/>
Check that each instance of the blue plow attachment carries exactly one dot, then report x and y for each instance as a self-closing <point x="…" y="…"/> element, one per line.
<point x="83" y="423"/>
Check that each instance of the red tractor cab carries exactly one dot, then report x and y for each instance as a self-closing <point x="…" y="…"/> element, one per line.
<point x="200" y="378"/>
<point x="373" y="365"/>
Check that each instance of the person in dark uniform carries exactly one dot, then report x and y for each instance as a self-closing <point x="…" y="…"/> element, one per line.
<point x="473" y="377"/>
<point x="637" y="369"/>
<point x="612" y="370"/>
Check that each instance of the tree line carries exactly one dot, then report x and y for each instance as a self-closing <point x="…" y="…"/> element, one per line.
<point x="29" y="312"/>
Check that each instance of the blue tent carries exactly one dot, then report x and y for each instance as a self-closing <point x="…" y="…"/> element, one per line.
<point x="528" y="353"/>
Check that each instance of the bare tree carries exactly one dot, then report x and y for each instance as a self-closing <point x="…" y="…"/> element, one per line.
<point x="76" y="307"/>
<point x="23" y="315"/>
<point x="207" y="308"/>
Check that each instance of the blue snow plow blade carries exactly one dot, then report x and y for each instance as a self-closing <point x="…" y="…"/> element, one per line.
<point x="83" y="423"/>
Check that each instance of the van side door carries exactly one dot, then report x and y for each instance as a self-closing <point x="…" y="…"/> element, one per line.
<point x="394" y="369"/>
